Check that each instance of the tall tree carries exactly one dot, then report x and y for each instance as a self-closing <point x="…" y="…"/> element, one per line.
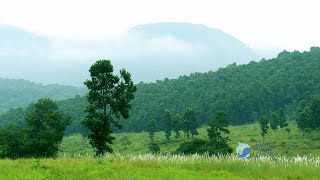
<point x="176" y="125"/>
<point x="45" y="127"/>
<point x="218" y="126"/>
<point x="109" y="98"/>
<point x="190" y="123"/>
<point x="274" y="121"/>
<point x="264" y="125"/>
<point x="167" y="124"/>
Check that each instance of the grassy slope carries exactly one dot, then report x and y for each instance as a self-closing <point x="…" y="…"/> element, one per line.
<point x="158" y="167"/>
<point x="288" y="144"/>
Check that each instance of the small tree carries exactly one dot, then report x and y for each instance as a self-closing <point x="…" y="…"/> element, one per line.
<point x="44" y="128"/>
<point x="151" y="129"/>
<point x="274" y="121"/>
<point x="109" y="98"/>
<point x="167" y="124"/>
<point x="264" y="121"/>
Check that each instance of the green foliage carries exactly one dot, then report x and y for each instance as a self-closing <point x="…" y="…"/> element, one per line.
<point x="195" y="146"/>
<point x="20" y="93"/>
<point x="217" y="143"/>
<point x="242" y="91"/>
<point x="151" y="129"/>
<point x="125" y="142"/>
<point x="45" y="127"/>
<point x="167" y="121"/>
<point x="177" y="125"/>
<point x="39" y="136"/>
<point x="274" y="119"/>
<point x="109" y="98"/>
<point x="154" y="147"/>
<point x="217" y="127"/>
<point x="190" y="123"/>
<point x="309" y="114"/>
<point x="217" y="133"/>
<point x="12" y="142"/>
<point x="264" y="126"/>
<point x="282" y="121"/>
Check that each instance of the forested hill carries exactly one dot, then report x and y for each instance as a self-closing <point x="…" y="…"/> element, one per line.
<point x="17" y="93"/>
<point x="243" y="91"/>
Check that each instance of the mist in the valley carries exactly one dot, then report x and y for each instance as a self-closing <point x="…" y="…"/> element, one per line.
<point x="150" y="52"/>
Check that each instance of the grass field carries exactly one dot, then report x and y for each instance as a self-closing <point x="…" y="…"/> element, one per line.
<point x="287" y="144"/>
<point x="147" y="166"/>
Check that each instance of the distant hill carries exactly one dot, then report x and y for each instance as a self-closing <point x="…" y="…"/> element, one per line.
<point x="244" y="92"/>
<point x="20" y="93"/>
<point x="171" y="49"/>
<point x="161" y="50"/>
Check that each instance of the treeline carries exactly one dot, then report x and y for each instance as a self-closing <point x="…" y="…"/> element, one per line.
<point x="244" y="92"/>
<point x="20" y="93"/>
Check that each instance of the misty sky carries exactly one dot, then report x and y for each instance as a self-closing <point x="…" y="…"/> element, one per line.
<point x="262" y="24"/>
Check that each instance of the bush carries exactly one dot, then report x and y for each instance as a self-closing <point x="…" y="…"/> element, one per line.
<point x="198" y="146"/>
<point x="154" y="147"/>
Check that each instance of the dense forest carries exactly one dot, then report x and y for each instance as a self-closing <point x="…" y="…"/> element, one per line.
<point x="244" y="92"/>
<point x="20" y="93"/>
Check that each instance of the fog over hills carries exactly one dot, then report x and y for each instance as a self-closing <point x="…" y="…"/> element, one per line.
<point x="149" y="52"/>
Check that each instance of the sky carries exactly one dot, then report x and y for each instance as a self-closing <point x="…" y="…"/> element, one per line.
<point x="262" y="24"/>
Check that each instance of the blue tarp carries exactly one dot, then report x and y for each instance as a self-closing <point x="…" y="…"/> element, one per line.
<point x="243" y="150"/>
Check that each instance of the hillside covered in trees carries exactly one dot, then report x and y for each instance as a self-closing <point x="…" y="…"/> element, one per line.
<point x="19" y="93"/>
<point x="244" y="92"/>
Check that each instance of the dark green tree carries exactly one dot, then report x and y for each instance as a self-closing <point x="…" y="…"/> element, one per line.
<point x="264" y="125"/>
<point x="315" y="113"/>
<point x="309" y="115"/>
<point x="151" y="129"/>
<point x="303" y="120"/>
<point x="190" y="123"/>
<point x="154" y="147"/>
<point x="12" y="142"/>
<point x="218" y="127"/>
<point x="176" y="125"/>
<point x="109" y="98"/>
<point x="282" y="120"/>
<point x="167" y="121"/>
<point x="45" y="127"/>
<point x="274" y="121"/>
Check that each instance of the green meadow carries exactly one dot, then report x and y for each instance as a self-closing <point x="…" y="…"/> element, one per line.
<point x="288" y="144"/>
<point x="296" y="157"/>
<point x="148" y="166"/>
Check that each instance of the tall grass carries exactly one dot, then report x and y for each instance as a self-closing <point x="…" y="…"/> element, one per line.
<point x="150" y="166"/>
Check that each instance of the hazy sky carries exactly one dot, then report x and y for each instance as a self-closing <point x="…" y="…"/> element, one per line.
<point x="266" y="24"/>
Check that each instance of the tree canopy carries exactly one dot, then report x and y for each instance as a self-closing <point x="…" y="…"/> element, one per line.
<point x="109" y="98"/>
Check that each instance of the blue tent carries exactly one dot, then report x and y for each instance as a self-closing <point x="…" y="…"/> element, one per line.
<point x="243" y="150"/>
